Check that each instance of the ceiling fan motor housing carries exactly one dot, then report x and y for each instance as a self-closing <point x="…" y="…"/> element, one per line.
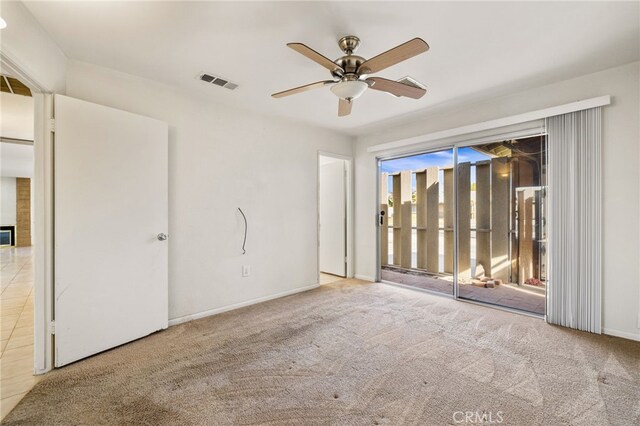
<point x="349" y="63"/>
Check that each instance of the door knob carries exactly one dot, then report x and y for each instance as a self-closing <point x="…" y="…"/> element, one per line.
<point x="162" y="237"/>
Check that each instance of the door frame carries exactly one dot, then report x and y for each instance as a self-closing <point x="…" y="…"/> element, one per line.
<point x="42" y="237"/>
<point x="349" y="210"/>
<point x="438" y="145"/>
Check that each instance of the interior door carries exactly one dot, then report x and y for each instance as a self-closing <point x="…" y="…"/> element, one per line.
<point x="111" y="217"/>
<point x="333" y="216"/>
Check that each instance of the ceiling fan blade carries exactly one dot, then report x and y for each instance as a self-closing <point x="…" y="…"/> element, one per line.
<point x="344" y="107"/>
<point x="317" y="57"/>
<point x="395" y="88"/>
<point x="391" y="57"/>
<point x="302" y="88"/>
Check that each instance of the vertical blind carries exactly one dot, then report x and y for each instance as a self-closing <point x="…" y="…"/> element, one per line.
<point x="575" y="229"/>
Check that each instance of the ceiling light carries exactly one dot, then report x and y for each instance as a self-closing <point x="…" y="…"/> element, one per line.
<point x="349" y="89"/>
<point x="3" y="24"/>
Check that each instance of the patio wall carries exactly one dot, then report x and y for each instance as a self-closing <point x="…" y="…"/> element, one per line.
<point x="483" y="231"/>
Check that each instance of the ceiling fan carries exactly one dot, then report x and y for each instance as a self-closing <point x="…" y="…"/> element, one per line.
<point x="350" y="72"/>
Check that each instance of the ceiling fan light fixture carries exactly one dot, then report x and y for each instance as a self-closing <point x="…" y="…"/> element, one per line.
<point x="350" y="73"/>
<point x="349" y="89"/>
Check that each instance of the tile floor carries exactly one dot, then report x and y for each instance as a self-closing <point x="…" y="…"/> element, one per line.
<point x="16" y="321"/>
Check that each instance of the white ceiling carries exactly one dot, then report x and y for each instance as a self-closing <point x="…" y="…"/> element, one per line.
<point x="478" y="49"/>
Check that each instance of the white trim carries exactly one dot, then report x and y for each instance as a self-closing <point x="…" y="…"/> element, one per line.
<point x="11" y="66"/>
<point x="203" y="314"/>
<point x="43" y="235"/>
<point x="623" y="334"/>
<point x="334" y="155"/>
<point x="494" y="124"/>
<point x="364" y="278"/>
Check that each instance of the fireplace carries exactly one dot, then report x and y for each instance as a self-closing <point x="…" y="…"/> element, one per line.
<point x="7" y="236"/>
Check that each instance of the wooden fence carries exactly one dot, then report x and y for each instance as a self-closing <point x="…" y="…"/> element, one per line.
<point x="494" y="209"/>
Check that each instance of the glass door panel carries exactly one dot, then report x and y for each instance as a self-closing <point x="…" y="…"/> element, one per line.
<point x="417" y="217"/>
<point x="501" y="232"/>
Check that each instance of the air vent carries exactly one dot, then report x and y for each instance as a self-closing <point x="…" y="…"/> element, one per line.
<point x="208" y="78"/>
<point x="411" y="82"/>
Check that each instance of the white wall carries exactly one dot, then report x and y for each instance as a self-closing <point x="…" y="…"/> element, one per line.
<point x="16" y="116"/>
<point x="7" y="201"/>
<point x="16" y="160"/>
<point x="621" y="179"/>
<point x="221" y="159"/>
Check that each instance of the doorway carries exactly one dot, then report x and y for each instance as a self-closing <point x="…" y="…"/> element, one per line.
<point x="333" y="217"/>
<point x="16" y="242"/>
<point x="468" y="222"/>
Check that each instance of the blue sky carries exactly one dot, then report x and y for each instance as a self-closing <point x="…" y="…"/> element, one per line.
<point x="422" y="161"/>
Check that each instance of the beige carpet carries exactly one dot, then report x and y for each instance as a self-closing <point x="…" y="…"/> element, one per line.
<point x="350" y="353"/>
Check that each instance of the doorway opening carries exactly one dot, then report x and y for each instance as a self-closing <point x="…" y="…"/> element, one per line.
<point x="468" y="222"/>
<point x="16" y="240"/>
<point x="333" y="217"/>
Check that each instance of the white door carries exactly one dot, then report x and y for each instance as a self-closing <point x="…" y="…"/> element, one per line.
<point x="333" y="216"/>
<point x="111" y="283"/>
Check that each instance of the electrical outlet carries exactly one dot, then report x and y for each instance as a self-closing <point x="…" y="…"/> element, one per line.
<point x="246" y="270"/>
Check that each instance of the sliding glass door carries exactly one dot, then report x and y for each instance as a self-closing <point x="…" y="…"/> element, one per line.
<point x="468" y="221"/>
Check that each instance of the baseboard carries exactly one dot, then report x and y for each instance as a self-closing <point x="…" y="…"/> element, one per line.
<point x="208" y="313"/>
<point x="364" y="277"/>
<point x="623" y="334"/>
